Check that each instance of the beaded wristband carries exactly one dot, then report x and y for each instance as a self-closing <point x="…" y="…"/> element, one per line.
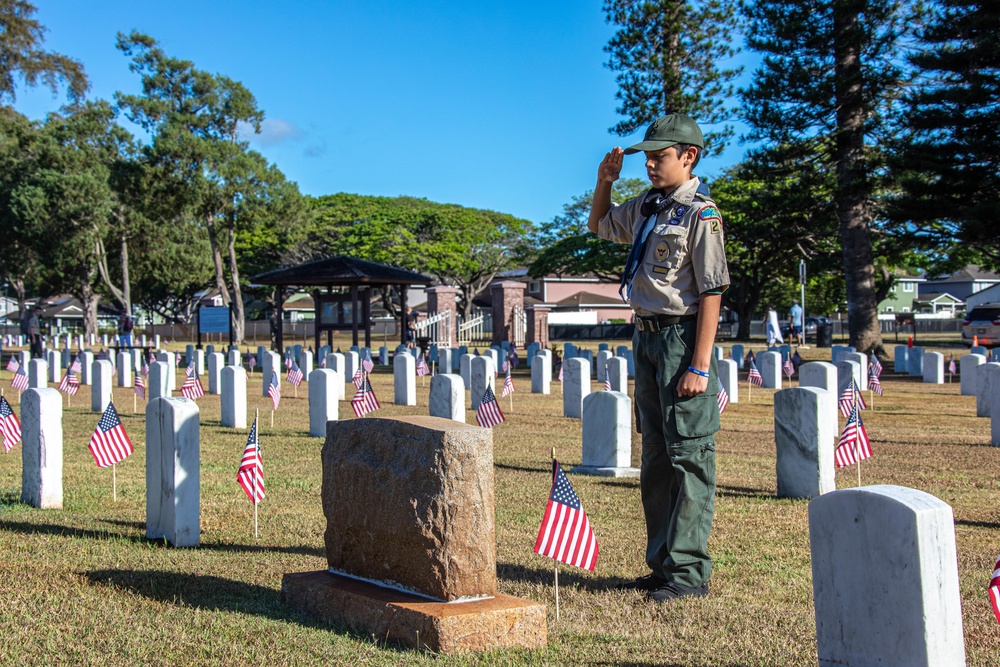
<point x="694" y="370"/>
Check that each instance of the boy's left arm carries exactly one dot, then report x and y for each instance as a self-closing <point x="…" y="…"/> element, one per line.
<point x="692" y="384"/>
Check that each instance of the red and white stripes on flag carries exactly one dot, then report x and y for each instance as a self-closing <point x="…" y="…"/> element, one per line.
<point x="874" y="383"/>
<point x="13" y="364"/>
<point x="854" y="445"/>
<point x="358" y="379"/>
<point x="294" y="376"/>
<point x="607" y="383"/>
<point x="754" y="377"/>
<point x="874" y="366"/>
<point x="364" y="400"/>
<point x="995" y="590"/>
<point x="368" y="364"/>
<point x="76" y="367"/>
<point x="110" y="443"/>
<point x="192" y="385"/>
<point x="20" y="380"/>
<point x="560" y="371"/>
<point x="274" y="390"/>
<point x="422" y="368"/>
<point x="850" y="397"/>
<point x="508" y="385"/>
<point x="723" y="397"/>
<point x="69" y="384"/>
<point x="565" y="533"/>
<point x="250" y="476"/>
<point x="140" y="385"/>
<point x="488" y="414"/>
<point x="10" y="426"/>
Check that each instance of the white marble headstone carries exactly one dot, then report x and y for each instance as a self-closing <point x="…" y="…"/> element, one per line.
<point x="769" y="364"/>
<point x="447" y="397"/>
<point x="483" y="374"/>
<point x="42" y="449"/>
<point x="576" y="386"/>
<point x="541" y="374"/>
<point x="805" y="433"/>
<point x="324" y="397"/>
<point x="404" y="377"/>
<point x="233" y="399"/>
<point x="173" y="471"/>
<point x="967" y="370"/>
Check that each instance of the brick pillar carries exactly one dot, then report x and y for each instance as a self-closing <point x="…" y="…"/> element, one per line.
<point x="538" y="326"/>
<point x="442" y="297"/>
<point x="505" y="294"/>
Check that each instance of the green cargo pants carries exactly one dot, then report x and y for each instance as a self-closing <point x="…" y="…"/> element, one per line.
<point x="677" y="480"/>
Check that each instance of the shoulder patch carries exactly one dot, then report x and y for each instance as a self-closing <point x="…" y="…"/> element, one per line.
<point x="711" y="216"/>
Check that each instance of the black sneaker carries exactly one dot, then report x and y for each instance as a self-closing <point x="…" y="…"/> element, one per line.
<point x="671" y="590"/>
<point x="649" y="582"/>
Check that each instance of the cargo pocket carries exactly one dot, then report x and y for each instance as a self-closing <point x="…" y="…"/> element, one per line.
<point x="696" y="416"/>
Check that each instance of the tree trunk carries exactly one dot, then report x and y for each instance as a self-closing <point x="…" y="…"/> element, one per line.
<point x="89" y="299"/>
<point x="220" y="274"/>
<point x="852" y="187"/>
<point x="237" y="301"/>
<point x="126" y="284"/>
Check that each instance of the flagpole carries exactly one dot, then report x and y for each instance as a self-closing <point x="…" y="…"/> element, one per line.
<point x="114" y="481"/>
<point x="272" y="418"/>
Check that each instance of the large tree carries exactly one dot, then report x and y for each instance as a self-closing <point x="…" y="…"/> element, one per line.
<point x="460" y="246"/>
<point x="669" y="56"/>
<point x="195" y="119"/>
<point x="20" y="261"/>
<point x="949" y="165"/>
<point x="830" y="73"/>
<point x="22" y="56"/>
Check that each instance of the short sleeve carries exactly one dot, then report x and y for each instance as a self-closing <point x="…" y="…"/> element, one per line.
<point x="708" y="250"/>
<point x="618" y="224"/>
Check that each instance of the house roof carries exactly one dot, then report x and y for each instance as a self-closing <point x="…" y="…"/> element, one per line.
<point x="969" y="273"/>
<point x="937" y="296"/>
<point x="340" y="270"/>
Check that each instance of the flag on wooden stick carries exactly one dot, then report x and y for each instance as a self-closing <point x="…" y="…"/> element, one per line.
<point x="250" y="476"/>
<point x="488" y="414"/>
<point x="20" y="380"/>
<point x="110" y="443"/>
<point x="364" y="400"/>
<point x="854" y="445"/>
<point x="565" y="533"/>
<point x="294" y="375"/>
<point x="274" y="390"/>
<point x="10" y="426"/>
<point x="69" y="384"/>
<point x="995" y="590"/>
<point x="723" y="397"/>
<point x="192" y="385"/>
<point x="755" y="378"/>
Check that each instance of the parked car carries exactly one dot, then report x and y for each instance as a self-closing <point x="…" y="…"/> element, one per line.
<point x="982" y="322"/>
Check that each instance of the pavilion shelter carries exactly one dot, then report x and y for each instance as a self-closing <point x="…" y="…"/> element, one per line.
<point x="349" y="310"/>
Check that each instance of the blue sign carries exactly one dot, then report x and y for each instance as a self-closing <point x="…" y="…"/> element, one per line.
<point x="213" y="319"/>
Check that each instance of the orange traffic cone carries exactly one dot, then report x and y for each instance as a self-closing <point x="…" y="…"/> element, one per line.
<point x="909" y="341"/>
<point x="975" y="341"/>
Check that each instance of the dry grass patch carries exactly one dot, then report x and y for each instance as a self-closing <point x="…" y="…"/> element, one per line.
<point x="83" y="586"/>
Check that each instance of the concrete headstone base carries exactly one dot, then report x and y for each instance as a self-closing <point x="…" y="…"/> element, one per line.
<point x="597" y="471"/>
<point x="477" y="625"/>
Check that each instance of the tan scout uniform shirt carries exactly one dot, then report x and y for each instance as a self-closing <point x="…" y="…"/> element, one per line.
<point x="685" y="256"/>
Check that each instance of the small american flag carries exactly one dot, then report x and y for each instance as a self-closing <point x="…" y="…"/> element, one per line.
<point x="874" y="383"/>
<point x="192" y="385"/>
<point x="288" y="362"/>
<point x="723" y="397"/>
<point x="252" y="361"/>
<point x="789" y="368"/>
<point x="294" y="375"/>
<point x="875" y="365"/>
<point x="508" y="385"/>
<point x="9" y="426"/>
<point x="565" y="533"/>
<point x="358" y="379"/>
<point x="850" y="397"/>
<point x="422" y="368"/>
<point x="951" y="366"/>
<point x="560" y="372"/>
<point x="514" y="359"/>
<point x="367" y="363"/>
<point x="274" y="390"/>
<point x="140" y="386"/>
<point x="110" y="443"/>
<point x="364" y="400"/>
<point x="607" y="383"/>
<point x="755" y="377"/>
<point x="76" y="367"/>
<point x="69" y="385"/>
<point x="322" y="362"/>
<point x="13" y="364"/>
<point x="853" y="445"/>
<point x="20" y="380"/>
<point x="251" y="473"/>
<point x="488" y="414"/>
<point x="995" y="590"/>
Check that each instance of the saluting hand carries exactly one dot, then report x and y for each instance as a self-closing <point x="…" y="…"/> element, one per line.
<point x="611" y="165"/>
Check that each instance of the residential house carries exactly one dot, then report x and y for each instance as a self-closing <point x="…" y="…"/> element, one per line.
<point x="961" y="285"/>
<point x="901" y="295"/>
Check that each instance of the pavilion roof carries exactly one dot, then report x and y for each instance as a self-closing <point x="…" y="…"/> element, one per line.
<point x="340" y="270"/>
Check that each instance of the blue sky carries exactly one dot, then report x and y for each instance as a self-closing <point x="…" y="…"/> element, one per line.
<point x="499" y="105"/>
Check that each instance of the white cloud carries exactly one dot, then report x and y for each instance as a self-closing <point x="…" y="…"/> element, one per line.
<point x="273" y="131"/>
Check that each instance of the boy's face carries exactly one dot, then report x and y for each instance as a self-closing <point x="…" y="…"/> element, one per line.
<point x="666" y="170"/>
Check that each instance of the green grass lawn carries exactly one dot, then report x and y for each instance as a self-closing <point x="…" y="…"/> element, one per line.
<point x="81" y="585"/>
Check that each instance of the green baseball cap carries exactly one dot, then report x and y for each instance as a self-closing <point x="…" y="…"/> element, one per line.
<point x="667" y="131"/>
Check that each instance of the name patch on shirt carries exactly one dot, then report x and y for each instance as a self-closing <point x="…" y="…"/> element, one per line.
<point x="662" y="270"/>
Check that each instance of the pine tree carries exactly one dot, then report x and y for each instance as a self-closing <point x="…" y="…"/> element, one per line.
<point x="950" y="165"/>
<point x="830" y="72"/>
<point x="667" y="54"/>
<point x="21" y="55"/>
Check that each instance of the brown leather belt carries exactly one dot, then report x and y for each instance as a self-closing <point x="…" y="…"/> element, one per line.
<point x="654" y="323"/>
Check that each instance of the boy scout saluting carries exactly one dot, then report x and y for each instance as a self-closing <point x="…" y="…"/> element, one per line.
<point x="674" y="279"/>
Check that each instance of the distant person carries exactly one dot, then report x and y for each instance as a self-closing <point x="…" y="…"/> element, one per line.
<point x="125" y="326"/>
<point x="795" y="319"/>
<point x="772" y="329"/>
<point x="411" y="326"/>
<point x="35" y="333"/>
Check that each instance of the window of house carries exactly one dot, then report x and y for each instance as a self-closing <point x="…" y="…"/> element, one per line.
<point x="905" y="309"/>
<point x="907" y="287"/>
<point x="888" y="309"/>
<point x="534" y="287"/>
